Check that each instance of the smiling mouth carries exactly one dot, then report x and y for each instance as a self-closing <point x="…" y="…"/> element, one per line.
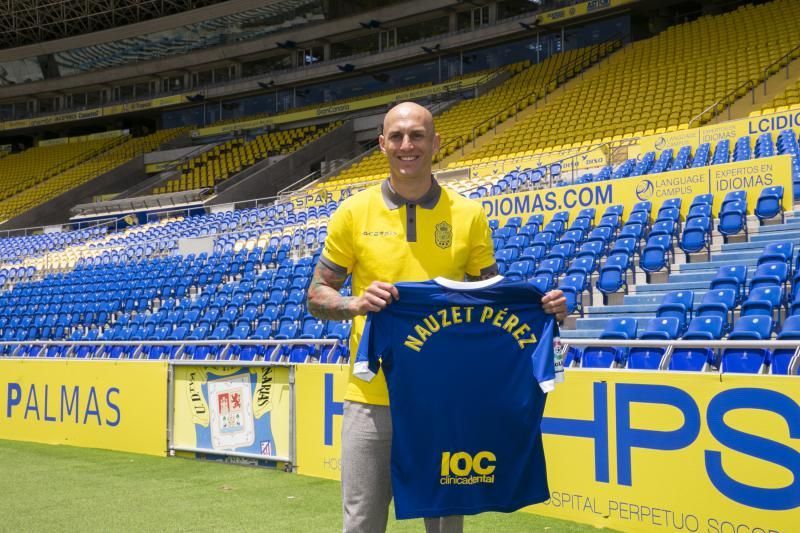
<point x="408" y="157"/>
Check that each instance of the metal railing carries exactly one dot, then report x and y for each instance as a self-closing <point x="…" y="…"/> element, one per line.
<point x="726" y="101"/>
<point x="611" y="146"/>
<point x="178" y="358"/>
<point x="670" y="346"/>
<point x="787" y="57"/>
<point x="723" y="102"/>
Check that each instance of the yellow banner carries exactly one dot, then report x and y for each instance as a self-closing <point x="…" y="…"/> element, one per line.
<point x="240" y="409"/>
<point x="141" y="105"/>
<point x="663" y="451"/>
<point x="336" y="109"/>
<point x="714" y="133"/>
<point x="116" y="405"/>
<point x="53" y="142"/>
<point x="94" y="113"/>
<point x="320" y="392"/>
<point x="634" y="451"/>
<point x="751" y="176"/>
<point x="579" y="10"/>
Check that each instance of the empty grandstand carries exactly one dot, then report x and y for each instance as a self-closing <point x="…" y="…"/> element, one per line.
<point x="208" y="156"/>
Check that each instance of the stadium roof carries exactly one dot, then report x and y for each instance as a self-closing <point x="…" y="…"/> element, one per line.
<point x="25" y="22"/>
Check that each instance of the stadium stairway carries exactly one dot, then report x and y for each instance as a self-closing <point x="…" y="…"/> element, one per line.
<point x="776" y="84"/>
<point x="644" y="298"/>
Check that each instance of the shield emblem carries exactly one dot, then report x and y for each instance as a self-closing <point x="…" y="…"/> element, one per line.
<point x="443" y="235"/>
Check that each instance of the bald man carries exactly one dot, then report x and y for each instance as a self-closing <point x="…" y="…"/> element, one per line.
<point x="408" y="228"/>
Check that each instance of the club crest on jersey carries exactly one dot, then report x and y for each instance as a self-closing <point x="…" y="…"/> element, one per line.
<point x="443" y="235"/>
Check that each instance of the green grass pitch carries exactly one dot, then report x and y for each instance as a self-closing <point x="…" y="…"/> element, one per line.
<point x="60" y="488"/>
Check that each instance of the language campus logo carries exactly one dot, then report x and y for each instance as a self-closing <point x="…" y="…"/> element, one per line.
<point x="644" y="190"/>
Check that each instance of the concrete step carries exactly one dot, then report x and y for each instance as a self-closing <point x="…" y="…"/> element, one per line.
<point x="736" y="255"/>
<point x="654" y="298"/>
<point x="778" y="236"/>
<point x="666" y="287"/>
<point x="712" y="266"/>
<point x="581" y="333"/>
<point x="620" y="310"/>
<point x="756" y="245"/>
<point x="599" y="323"/>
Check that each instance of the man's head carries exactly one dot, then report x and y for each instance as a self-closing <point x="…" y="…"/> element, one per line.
<point x="409" y="141"/>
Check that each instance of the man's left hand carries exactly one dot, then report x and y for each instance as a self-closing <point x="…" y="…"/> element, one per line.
<point x="555" y="303"/>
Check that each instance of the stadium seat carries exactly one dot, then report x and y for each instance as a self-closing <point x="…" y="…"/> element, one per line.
<point x="697" y="359"/>
<point x="786" y="360"/>
<point x="770" y="204"/>
<point x="606" y="357"/>
<point x="747" y="360"/>
<point x="649" y="358"/>
<point x="678" y="305"/>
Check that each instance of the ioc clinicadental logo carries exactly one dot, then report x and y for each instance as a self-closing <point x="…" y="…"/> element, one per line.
<point x="443" y="235"/>
<point x="644" y="190"/>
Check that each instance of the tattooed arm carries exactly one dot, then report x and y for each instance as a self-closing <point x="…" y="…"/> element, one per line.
<point x="325" y="301"/>
<point x="553" y="302"/>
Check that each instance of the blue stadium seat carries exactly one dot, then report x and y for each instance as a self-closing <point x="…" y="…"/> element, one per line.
<point x="678" y="305"/>
<point x="769" y="274"/>
<point x="718" y="302"/>
<point x="655" y="255"/>
<point x="605" y="357"/>
<point x="613" y="275"/>
<point x="783" y="360"/>
<point x="763" y="301"/>
<point x="573" y="287"/>
<point x="731" y="277"/>
<point x="696" y="236"/>
<point x="340" y="353"/>
<point x="649" y="358"/>
<point x="747" y="360"/>
<point x="733" y="219"/>
<point x="770" y="204"/>
<point x="696" y="359"/>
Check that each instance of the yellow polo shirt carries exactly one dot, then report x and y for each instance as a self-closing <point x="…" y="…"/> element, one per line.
<point x="377" y="236"/>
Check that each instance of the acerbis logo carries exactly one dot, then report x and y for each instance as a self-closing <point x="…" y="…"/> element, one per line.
<point x="644" y="190"/>
<point x="461" y="468"/>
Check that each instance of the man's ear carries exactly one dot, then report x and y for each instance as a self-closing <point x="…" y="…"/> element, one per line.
<point x="382" y="143"/>
<point x="436" y="142"/>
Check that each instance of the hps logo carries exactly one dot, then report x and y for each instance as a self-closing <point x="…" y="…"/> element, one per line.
<point x="461" y="468"/>
<point x="644" y="190"/>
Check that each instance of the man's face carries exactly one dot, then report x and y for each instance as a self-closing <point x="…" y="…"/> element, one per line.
<point x="409" y="142"/>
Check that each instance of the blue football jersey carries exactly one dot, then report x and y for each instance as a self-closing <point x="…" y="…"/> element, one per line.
<point x="468" y="366"/>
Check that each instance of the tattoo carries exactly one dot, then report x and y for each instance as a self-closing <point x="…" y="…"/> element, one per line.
<point x="324" y="300"/>
<point x="486" y="273"/>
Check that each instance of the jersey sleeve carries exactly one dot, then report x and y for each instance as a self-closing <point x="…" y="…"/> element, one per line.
<point x="481" y="254"/>
<point x="543" y="359"/>
<point x="339" y="244"/>
<point x="375" y="341"/>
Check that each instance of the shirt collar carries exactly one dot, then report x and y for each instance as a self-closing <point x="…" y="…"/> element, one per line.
<point x="394" y="201"/>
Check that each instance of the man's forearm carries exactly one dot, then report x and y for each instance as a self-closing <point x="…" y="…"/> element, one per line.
<point x="324" y="300"/>
<point x="328" y="304"/>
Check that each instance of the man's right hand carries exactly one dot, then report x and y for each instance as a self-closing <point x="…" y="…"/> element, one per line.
<point x="375" y="298"/>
